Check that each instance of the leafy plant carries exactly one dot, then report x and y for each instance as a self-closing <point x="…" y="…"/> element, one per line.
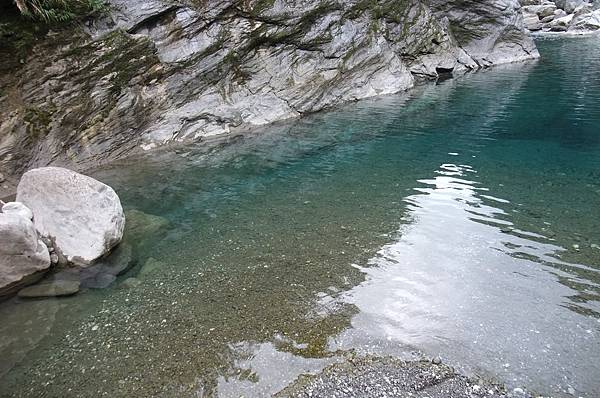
<point x="56" y="11"/>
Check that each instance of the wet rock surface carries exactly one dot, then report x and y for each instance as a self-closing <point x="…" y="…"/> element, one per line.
<point x="158" y="72"/>
<point x="389" y="377"/>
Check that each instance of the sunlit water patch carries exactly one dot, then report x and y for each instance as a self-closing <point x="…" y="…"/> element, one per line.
<point x="459" y="220"/>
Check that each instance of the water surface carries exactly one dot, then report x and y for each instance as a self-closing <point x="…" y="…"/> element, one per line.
<point x="459" y="220"/>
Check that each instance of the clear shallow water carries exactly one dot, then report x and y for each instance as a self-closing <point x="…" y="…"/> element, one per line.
<point x="459" y="220"/>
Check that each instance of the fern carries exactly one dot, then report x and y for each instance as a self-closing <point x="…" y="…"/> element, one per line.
<point x="58" y="11"/>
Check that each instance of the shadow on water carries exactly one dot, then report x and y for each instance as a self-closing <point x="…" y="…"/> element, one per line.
<point x="468" y="209"/>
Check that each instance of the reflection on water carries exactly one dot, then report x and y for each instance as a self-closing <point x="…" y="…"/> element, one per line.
<point x="460" y="220"/>
<point x="262" y="370"/>
<point x="461" y="283"/>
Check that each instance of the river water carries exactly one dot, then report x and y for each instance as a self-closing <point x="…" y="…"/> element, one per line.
<point x="459" y="220"/>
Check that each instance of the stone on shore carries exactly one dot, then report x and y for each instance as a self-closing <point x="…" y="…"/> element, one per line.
<point x="50" y="289"/>
<point x="23" y="256"/>
<point x="82" y="216"/>
<point x="586" y="22"/>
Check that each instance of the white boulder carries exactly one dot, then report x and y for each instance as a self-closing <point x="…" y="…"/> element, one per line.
<point x="17" y="208"/>
<point x="23" y="256"/>
<point x="80" y="215"/>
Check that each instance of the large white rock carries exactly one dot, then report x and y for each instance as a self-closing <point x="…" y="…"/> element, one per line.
<point x="23" y="256"/>
<point x="82" y="216"/>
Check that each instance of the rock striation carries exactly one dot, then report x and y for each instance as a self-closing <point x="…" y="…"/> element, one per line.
<point x="155" y="72"/>
<point x="571" y="16"/>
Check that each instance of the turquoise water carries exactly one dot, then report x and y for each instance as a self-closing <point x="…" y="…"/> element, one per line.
<point x="460" y="220"/>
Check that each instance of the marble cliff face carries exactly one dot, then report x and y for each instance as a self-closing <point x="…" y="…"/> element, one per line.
<point x="154" y="72"/>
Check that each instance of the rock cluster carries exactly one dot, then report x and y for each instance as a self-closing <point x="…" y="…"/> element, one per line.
<point x="573" y="16"/>
<point x="59" y="216"/>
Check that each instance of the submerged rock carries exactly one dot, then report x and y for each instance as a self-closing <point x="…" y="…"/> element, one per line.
<point x="23" y="256"/>
<point x="105" y="271"/>
<point x="83" y="217"/>
<point x="152" y="266"/>
<point x="142" y="225"/>
<point x="98" y="281"/>
<point x="117" y="263"/>
<point x="130" y="283"/>
<point x="50" y="289"/>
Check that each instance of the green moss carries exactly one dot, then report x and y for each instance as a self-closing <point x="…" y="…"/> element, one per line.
<point x="391" y="10"/>
<point x="119" y="55"/>
<point x="267" y="36"/>
<point x="260" y="6"/>
<point x="38" y="121"/>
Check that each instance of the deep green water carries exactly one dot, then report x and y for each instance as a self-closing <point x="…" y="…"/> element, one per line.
<point x="460" y="220"/>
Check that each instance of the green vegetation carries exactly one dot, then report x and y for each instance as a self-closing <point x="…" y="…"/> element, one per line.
<point x="58" y="11"/>
<point x="24" y="23"/>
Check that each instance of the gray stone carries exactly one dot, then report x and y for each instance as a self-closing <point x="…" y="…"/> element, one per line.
<point x="17" y="208"/>
<point x="98" y="281"/>
<point x="561" y="24"/>
<point x="23" y="256"/>
<point x="547" y="19"/>
<point x="131" y="283"/>
<point x="532" y="22"/>
<point x="559" y="13"/>
<point x="117" y="263"/>
<point x="142" y="225"/>
<point x="568" y="5"/>
<point x="50" y="289"/>
<point x="542" y="10"/>
<point x="589" y="22"/>
<point x="151" y="266"/>
<point x="83" y="217"/>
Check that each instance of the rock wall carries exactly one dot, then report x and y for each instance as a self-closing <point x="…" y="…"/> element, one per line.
<point x="155" y="72"/>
